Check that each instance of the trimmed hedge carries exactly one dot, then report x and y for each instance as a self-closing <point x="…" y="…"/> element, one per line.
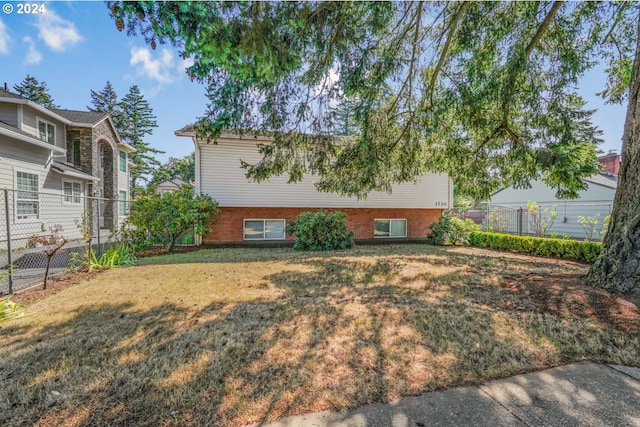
<point x="575" y="250"/>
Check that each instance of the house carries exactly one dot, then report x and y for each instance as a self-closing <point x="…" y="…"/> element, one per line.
<point x="169" y="185"/>
<point x="51" y="159"/>
<point x="596" y="200"/>
<point x="252" y="212"/>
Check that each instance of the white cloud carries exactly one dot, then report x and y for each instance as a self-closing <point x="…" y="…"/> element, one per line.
<point x="33" y="56"/>
<point x="158" y="69"/>
<point x="4" y="38"/>
<point x="57" y="33"/>
<point x="184" y="64"/>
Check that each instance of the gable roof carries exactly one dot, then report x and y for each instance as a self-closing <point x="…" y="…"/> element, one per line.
<point x="604" y="179"/>
<point x="75" y="116"/>
<point x="7" y="94"/>
<point x="175" y="181"/>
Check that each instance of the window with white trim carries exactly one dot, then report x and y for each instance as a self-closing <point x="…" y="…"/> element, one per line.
<point x="264" y="229"/>
<point x="122" y="205"/>
<point x="390" y="228"/>
<point x="72" y="192"/>
<point x="123" y="161"/>
<point x="46" y="131"/>
<point x="27" y="200"/>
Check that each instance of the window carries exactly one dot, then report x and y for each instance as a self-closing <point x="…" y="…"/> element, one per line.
<point x="264" y="229"/>
<point x="122" y="205"/>
<point x="77" y="161"/>
<point x="123" y="161"/>
<point x="46" y="131"/>
<point x="27" y="202"/>
<point x="72" y="192"/>
<point x="390" y="228"/>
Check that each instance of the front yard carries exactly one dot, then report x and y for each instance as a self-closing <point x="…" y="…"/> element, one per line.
<point x="233" y="336"/>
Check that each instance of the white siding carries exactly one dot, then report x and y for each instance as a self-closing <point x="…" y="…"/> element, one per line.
<point x="540" y="192"/>
<point x="9" y="114"/>
<point x="22" y="156"/>
<point x="29" y="125"/>
<point x="123" y="182"/>
<point x="223" y="179"/>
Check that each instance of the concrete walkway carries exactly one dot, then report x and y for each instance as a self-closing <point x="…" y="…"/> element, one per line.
<point x="581" y="394"/>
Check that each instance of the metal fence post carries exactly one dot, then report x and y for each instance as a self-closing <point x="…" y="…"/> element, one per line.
<point x="98" y="228"/>
<point x="519" y="221"/>
<point x="9" y="257"/>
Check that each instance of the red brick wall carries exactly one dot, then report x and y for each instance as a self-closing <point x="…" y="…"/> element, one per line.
<point x="611" y="163"/>
<point x="230" y="222"/>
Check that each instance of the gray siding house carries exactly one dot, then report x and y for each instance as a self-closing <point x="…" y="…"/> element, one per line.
<point x="596" y="200"/>
<point x="71" y="154"/>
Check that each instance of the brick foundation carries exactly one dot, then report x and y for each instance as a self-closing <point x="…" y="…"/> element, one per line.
<point x="230" y="222"/>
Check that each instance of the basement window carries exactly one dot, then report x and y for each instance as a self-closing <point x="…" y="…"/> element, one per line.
<point x="390" y="228"/>
<point x="264" y="229"/>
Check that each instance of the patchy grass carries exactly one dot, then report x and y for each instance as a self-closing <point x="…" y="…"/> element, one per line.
<point x="234" y="336"/>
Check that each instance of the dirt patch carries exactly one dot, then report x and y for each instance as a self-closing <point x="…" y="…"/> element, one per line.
<point x="54" y="285"/>
<point x="564" y="294"/>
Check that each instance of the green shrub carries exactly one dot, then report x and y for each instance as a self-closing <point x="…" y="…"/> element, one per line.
<point x="116" y="256"/>
<point x="451" y="230"/>
<point x="575" y="250"/>
<point x="321" y="231"/>
<point x="164" y="218"/>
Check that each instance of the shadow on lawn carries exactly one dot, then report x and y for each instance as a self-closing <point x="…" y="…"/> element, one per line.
<point x="347" y="333"/>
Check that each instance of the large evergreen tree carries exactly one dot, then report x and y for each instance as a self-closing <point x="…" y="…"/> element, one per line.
<point x="138" y="121"/>
<point x="106" y="101"/>
<point x="36" y="91"/>
<point x="485" y="91"/>
<point x="134" y="119"/>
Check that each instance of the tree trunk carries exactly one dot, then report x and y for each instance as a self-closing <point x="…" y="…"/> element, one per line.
<point x="618" y="267"/>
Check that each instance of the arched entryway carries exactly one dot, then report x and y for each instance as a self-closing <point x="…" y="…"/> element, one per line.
<point x="106" y="187"/>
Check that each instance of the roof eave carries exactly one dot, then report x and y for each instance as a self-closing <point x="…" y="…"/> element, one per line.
<point x="35" y="106"/>
<point x="126" y="147"/>
<point x="32" y="141"/>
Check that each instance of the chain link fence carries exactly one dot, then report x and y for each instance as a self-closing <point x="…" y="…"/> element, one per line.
<point x="34" y="223"/>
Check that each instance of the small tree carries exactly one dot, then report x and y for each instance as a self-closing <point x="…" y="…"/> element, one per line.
<point x="541" y="221"/>
<point x="55" y="242"/>
<point x="589" y="224"/>
<point x="166" y="217"/>
<point x="321" y="231"/>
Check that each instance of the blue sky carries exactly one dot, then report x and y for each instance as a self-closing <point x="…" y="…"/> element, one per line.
<point x="75" y="47"/>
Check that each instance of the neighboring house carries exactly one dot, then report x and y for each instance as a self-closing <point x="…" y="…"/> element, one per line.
<point x="169" y="185"/>
<point x="67" y="153"/>
<point x="597" y="199"/>
<point x="252" y="211"/>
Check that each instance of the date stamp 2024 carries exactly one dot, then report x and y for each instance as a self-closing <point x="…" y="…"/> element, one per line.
<point x="24" y="8"/>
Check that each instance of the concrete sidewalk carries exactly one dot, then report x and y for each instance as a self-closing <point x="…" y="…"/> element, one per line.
<point x="581" y="394"/>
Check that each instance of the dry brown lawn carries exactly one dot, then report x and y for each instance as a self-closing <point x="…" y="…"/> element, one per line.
<point x="234" y="336"/>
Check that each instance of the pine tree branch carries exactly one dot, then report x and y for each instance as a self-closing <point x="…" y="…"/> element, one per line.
<point x="445" y="49"/>
<point x="541" y="30"/>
